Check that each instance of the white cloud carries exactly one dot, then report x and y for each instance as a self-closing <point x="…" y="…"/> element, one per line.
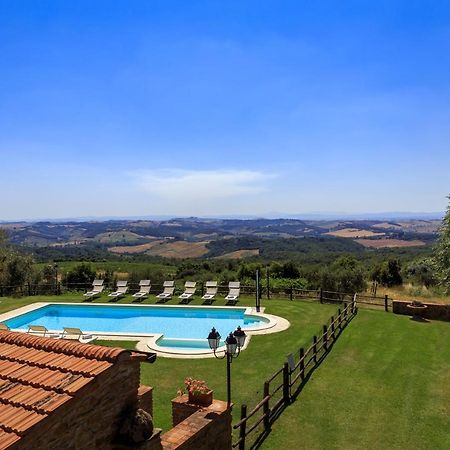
<point x="190" y="186"/>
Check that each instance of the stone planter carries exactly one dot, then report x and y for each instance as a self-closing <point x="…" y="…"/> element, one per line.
<point x="417" y="311"/>
<point x="201" y="399"/>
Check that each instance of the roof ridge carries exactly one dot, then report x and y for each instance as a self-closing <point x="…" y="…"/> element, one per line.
<point x="67" y="347"/>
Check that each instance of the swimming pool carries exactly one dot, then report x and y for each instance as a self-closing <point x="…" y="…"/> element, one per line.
<point x="175" y="329"/>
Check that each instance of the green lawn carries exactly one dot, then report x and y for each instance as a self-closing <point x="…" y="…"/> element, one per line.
<point x="385" y="384"/>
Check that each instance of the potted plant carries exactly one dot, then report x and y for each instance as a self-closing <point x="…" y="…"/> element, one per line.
<point x="417" y="308"/>
<point x="198" y="392"/>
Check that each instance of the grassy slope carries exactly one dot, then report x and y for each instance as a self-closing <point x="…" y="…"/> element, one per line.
<point x="384" y="385"/>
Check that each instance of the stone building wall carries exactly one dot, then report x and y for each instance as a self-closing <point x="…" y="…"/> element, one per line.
<point x="92" y="418"/>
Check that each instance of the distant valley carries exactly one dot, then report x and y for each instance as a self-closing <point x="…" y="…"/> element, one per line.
<point x="217" y="238"/>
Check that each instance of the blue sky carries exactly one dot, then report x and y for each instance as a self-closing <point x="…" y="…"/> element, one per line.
<point x="117" y="108"/>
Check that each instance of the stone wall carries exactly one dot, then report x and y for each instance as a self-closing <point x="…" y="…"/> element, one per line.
<point x="91" y="420"/>
<point x="182" y="409"/>
<point x="434" y="311"/>
<point x="204" y="428"/>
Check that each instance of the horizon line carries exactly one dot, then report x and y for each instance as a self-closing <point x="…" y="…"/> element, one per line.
<point x="391" y="215"/>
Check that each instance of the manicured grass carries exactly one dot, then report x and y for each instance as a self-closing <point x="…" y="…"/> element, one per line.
<point x="385" y="385"/>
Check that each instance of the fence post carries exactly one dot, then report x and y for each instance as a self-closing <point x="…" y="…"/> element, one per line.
<point x="266" y="407"/>
<point x="321" y="295"/>
<point x="268" y="283"/>
<point x="339" y="319"/>
<point x="302" y="364"/>
<point x="242" y="427"/>
<point x="290" y="293"/>
<point x="286" y="387"/>
<point x="325" y="337"/>
<point x="315" y="348"/>
<point x="332" y="327"/>
<point x="386" y="303"/>
<point x="29" y="289"/>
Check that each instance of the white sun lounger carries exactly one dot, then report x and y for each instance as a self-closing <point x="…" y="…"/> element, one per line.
<point x="77" y="334"/>
<point x="40" y="330"/>
<point x="234" y="292"/>
<point x="211" y="292"/>
<point x="189" y="291"/>
<point x="97" y="289"/>
<point x="144" y="290"/>
<point x="121" y="290"/>
<point x="169" y="288"/>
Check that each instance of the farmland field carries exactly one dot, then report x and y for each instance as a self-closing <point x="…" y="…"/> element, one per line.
<point x="131" y="249"/>
<point x="238" y="254"/>
<point x="353" y="233"/>
<point x="389" y="243"/>
<point x="179" y="249"/>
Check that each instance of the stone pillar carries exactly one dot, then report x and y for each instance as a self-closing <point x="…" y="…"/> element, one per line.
<point x="203" y="428"/>
<point x="145" y="398"/>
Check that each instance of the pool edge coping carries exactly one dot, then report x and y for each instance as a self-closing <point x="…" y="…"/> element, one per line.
<point x="148" y="342"/>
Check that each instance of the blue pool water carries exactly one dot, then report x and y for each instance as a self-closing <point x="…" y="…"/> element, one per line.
<point x="173" y="322"/>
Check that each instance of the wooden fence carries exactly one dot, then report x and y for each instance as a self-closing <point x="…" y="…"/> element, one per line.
<point x="286" y="383"/>
<point x="286" y="292"/>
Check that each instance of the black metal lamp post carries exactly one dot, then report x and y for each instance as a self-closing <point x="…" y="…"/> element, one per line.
<point x="233" y="344"/>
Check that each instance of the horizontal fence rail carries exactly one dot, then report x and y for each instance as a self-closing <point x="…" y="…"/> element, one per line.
<point x="286" y="292"/>
<point x="286" y="383"/>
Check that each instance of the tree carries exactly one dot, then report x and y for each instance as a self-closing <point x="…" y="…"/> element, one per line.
<point x="80" y="274"/>
<point x="15" y="268"/>
<point x="422" y="272"/>
<point x="388" y="273"/>
<point x="48" y="275"/>
<point x="442" y="253"/>
<point x="3" y="237"/>
<point x="344" y="275"/>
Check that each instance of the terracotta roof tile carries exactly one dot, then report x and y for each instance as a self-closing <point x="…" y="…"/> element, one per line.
<point x="18" y="419"/>
<point x="37" y="375"/>
<point x="37" y="399"/>
<point x="7" y="439"/>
